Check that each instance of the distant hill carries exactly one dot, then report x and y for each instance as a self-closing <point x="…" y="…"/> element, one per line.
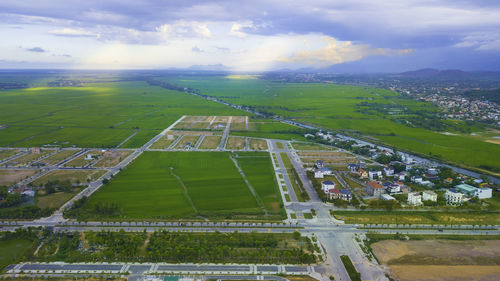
<point x="431" y="72"/>
<point x="209" y="67"/>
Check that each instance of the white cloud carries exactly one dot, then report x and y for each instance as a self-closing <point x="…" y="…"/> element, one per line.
<point x="185" y="29"/>
<point x="336" y="52"/>
<point x="481" y="41"/>
<point x="71" y="32"/>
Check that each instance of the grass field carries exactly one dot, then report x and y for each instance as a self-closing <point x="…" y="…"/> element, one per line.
<point x="311" y="146"/>
<point x="59" y="156"/>
<point x="210" y="142"/>
<point x="235" y="143"/>
<point x="387" y="217"/>
<point x="140" y="138"/>
<point x="8" y="177"/>
<point x="165" y="185"/>
<point x="351" y="109"/>
<point x="74" y="176"/>
<point x="12" y="250"/>
<point x="163" y="142"/>
<point x="55" y="200"/>
<point x="293" y="179"/>
<point x="80" y="161"/>
<point x="4" y="154"/>
<point x="27" y="158"/>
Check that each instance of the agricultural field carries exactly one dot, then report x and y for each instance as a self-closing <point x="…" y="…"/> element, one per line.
<point x="438" y="259"/>
<point x="304" y="146"/>
<point x="235" y="143"/>
<point x="112" y="158"/>
<point x="96" y="115"/>
<point x="258" y="144"/>
<point x="140" y="138"/>
<point x="73" y="176"/>
<point x="12" y="250"/>
<point x="168" y="185"/>
<point x="55" y="200"/>
<point x="9" y="177"/>
<point x="356" y="110"/>
<point x="210" y="142"/>
<point x="59" y="156"/>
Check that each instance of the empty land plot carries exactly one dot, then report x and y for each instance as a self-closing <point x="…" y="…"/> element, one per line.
<point x="444" y="259"/>
<point x="238" y="123"/>
<point x="200" y="125"/>
<point x="221" y="119"/>
<point x="28" y="158"/>
<point x="258" y="144"/>
<point x="235" y="143"/>
<point x="80" y="161"/>
<point x="210" y="142"/>
<point x="258" y="169"/>
<point x="112" y="158"/>
<point x="162" y="185"/>
<point x="206" y="118"/>
<point x="73" y="176"/>
<point x="302" y="146"/>
<point x="59" y="156"/>
<point x="55" y="200"/>
<point x="189" y="118"/>
<point x="187" y="141"/>
<point x="164" y="142"/>
<point x="6" y="153"/>
<point x="183" y="125"/>
<point x="325" y="154"/>
<point x="8" y="177"/>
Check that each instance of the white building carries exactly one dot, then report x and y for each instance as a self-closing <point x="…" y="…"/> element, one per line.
<point x="327" y="185"/>
<point x="389" y="171"/>
<point x="89" y="156"/>
<point x="373" y="175"/>
<point x="429" y="195"/>
<point x="318" y="174"/>
<point x="415" y="199"/>
<point x="453" y="197"/>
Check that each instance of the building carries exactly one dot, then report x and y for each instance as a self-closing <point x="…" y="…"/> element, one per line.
<point x="353" y="168"/>
<point x="362" y="174"/>
<point x="472" y="191"/>
<point x="375" y="175"/>
<point x="393" y="188"/>
<point x="453" y="197"/>
<point x="415" y="199"/>
<point x="389" y="171"/>
<point x="319" y="164"/>
<point x="429" y="195"/>
<point x="36" y="150"/>
<point x="346" y="195"/>
<point x="334" y="194"/>
<point x="89" y="156"/>
<point x="402" y="176"/>
<point x="318" y="174"/>
<point x="326" y="171"/>
<point x="327" y="185"/>
<point x="374" y="189"/>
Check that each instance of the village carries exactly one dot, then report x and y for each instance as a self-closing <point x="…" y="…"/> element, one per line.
<point x="389" y="179"/>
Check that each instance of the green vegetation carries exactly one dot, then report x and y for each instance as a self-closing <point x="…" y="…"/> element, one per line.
<point x="311" y="146"/>
<point x="298" y="188"/>
<point x="176" y="247"/>
<point x="15" y="246"/>
<point x="101" y="115"/>
<point x="385" y="116"/>
<point x="168" y="185"/>
<point x="351" y="270"/>
<point x="415" y="217"/>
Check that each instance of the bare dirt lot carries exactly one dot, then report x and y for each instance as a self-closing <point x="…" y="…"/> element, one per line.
<point x="163" y="142"/>
<point x="235" y="143"/>
<point x="112" y="158"/>
<point x="8" y="177"/>
<point x="258" y="144"/>
<point x="210" y="142"/>
<point x="74" y="176"/>
<point x="440" y="259"/>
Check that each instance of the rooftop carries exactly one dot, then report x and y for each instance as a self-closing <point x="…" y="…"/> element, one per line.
<point x="328" y="182"/>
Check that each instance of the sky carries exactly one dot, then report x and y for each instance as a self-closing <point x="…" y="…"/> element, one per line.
<point x="251" y="36"/>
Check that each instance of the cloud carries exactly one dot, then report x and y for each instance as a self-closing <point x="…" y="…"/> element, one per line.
<point x="487" y="41"/>
<point x="336" y="52"/>
<point x="36" y="50"/>
<point x="71" y="32"/>
<point x="196" y="49"/>
<point x="184" y="28"/>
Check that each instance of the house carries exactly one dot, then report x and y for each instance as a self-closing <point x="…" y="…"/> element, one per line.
<point x="393" y="188"/>
<point x="472" y="191"/>
<point x="346" y="195"/>
<point x="429" y="195"/>
<point x="362" y="174"/>
<point x="334" y="194"/>
<point x="427" y="183"/>
<point x="448" y="180"/>
<point x="89" y="156"/>
<point x="318" y="174"/>
<point x="326" y="171"/>
<point x="361" y="164"/>
<point x="389" y="171"/>
<point x="401" y="176"/>
<point x="453" y="197"/>
<point x="374" y="188"/>
<point x="387" y="197"/>
<point x="36" y="150"/>
<point x="416" y="179"/>
<point x="327" y="185"/>
<point x="405" y="189"/>
<point x="374" y="175"/>
<point x="319" y="164"/>
<point x="415" y="199"/>
<point x="353" y="168"/>
<point x="219" y="126"/>
<point x="430" y="176"/>
<point x="433" y="171"/>
<point x="309" y="135"/>
<point x="28" y="192"/>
